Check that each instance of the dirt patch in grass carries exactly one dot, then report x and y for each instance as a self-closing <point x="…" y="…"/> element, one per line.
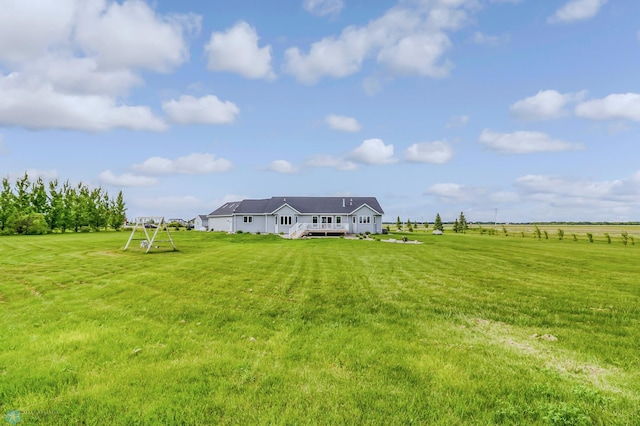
<point x="543" y="350"/>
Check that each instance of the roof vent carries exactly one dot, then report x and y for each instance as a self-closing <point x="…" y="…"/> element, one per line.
<point x="343" y="202"/>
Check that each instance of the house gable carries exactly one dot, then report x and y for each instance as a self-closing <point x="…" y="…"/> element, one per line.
<point x="365" y="206"/>
<point x="284" y="206"/>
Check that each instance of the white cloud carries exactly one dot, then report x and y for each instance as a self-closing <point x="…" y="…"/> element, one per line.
<point x="561" y="189"/>
<point x="323" y="7"/>
<point x="80" y="76"/>
<point x="331" y="162"/>
<point x="126" y="179"/>
<point x="524" y="142"/>
<point x="373" y="151"/>
<point x="34" y="174"/>
<point x="429" y="152"/>
<point x="237" y="50"/>
<point x="625" y="106"/>
<point x="489" y="40"/>
<point x="451" y="191"/>
<point x="418" y="54"/>
<point x="131" y="34"/>
<point x="205" y="110"/>
<point x="282" y="166"/>
<point x="576" y="10"/>
<point x="37" y="105"/>
<point x="545" y="105"/>
<point x="25" y="35"/>
<point x="505" y="1"/>
<point x="548" y="196"/>
<point x="192" y="164"/>
<point x="65" y="65"/>
<point x="458" y="121"/>
<point x="342" y="122"/>
<point x="409" y="39"/>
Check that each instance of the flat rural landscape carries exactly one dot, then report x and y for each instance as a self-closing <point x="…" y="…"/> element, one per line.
<point x="256" y="329"/>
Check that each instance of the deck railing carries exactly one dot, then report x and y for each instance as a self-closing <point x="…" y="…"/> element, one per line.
<point x="301" y="227"/>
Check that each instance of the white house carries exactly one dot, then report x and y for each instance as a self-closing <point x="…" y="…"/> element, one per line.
<point x="300" y="216"/>
<point x="201" y="223"/>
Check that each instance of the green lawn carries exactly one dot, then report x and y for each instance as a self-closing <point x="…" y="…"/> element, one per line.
<point x="255" y="329"/>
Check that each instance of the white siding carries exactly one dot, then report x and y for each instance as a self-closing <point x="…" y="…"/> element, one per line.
<point x="220" y="223"/>
<point x="366" y="220"/>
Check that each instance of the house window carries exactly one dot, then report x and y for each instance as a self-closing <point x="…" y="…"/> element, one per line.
<point x="338" y="219"/>
<point x="354" y="219"/>
<point x="374" y="219"/>
<point x="314" y="219"/>
<point x="285" y="220"/>
<point x="247" y="219"/>
<point x="364" y="219"/>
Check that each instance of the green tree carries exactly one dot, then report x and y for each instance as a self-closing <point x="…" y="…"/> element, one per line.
<point x="68" y="205"/>
<point x="437" y="223"/>
<point x="456" y="226"/>
<point x="7" y="203"/>
<point x="117" y="212"/>
<point x="28" y="223"/>
<point x="81" y="214"/>
<point x="398" y="223"/>
<point x="462" y="223"/>
<point x="56" y="206"/>
<point x="23" y="197"/>
<point x="39" y="198"/>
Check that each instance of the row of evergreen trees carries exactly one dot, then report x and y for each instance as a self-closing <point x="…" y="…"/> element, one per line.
<point x="459" y="225"/>
<point x="37" y="208"/>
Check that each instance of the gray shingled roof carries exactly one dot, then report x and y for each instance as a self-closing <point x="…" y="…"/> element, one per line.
<point x="336" y="205"/>
<point x="226" y="209"/>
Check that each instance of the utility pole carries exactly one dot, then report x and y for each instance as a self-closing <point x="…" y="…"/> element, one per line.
<point x="495" y="220"/>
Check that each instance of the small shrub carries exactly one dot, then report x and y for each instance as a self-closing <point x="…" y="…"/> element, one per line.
<point x="537" y="233"/>
<point x="633" y="241"/>
<point x="625" y="237"/>
<point x="575" y="237"/>
<point x="590" y="237"/>
<point x="239" y="231"/>
<point x="258" y="233"/>
<point x="522" y="233"/>
<point x="566" y="415"/>
<point x="560" y="234"/>
<point x="504" y="229"/>
<point x="546" y="235"/>
<point x="608" y="238"/>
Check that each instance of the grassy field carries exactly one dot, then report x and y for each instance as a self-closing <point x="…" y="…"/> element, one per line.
<point x="255" y="329"/>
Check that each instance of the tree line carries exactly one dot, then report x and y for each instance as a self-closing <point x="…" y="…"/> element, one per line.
<point x="459" y="224"/>
<point x="37" y="208"/>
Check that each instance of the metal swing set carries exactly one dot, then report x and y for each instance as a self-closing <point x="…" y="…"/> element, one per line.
<point x="155" y="223"/>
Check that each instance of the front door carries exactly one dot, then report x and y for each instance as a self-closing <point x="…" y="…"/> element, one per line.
<point x="327" y="222"/>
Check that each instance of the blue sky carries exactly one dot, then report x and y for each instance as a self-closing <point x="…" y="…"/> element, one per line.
<point x="434" y="106"/>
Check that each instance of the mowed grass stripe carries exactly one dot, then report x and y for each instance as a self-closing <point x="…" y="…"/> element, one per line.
<point x="256" y="329"/>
